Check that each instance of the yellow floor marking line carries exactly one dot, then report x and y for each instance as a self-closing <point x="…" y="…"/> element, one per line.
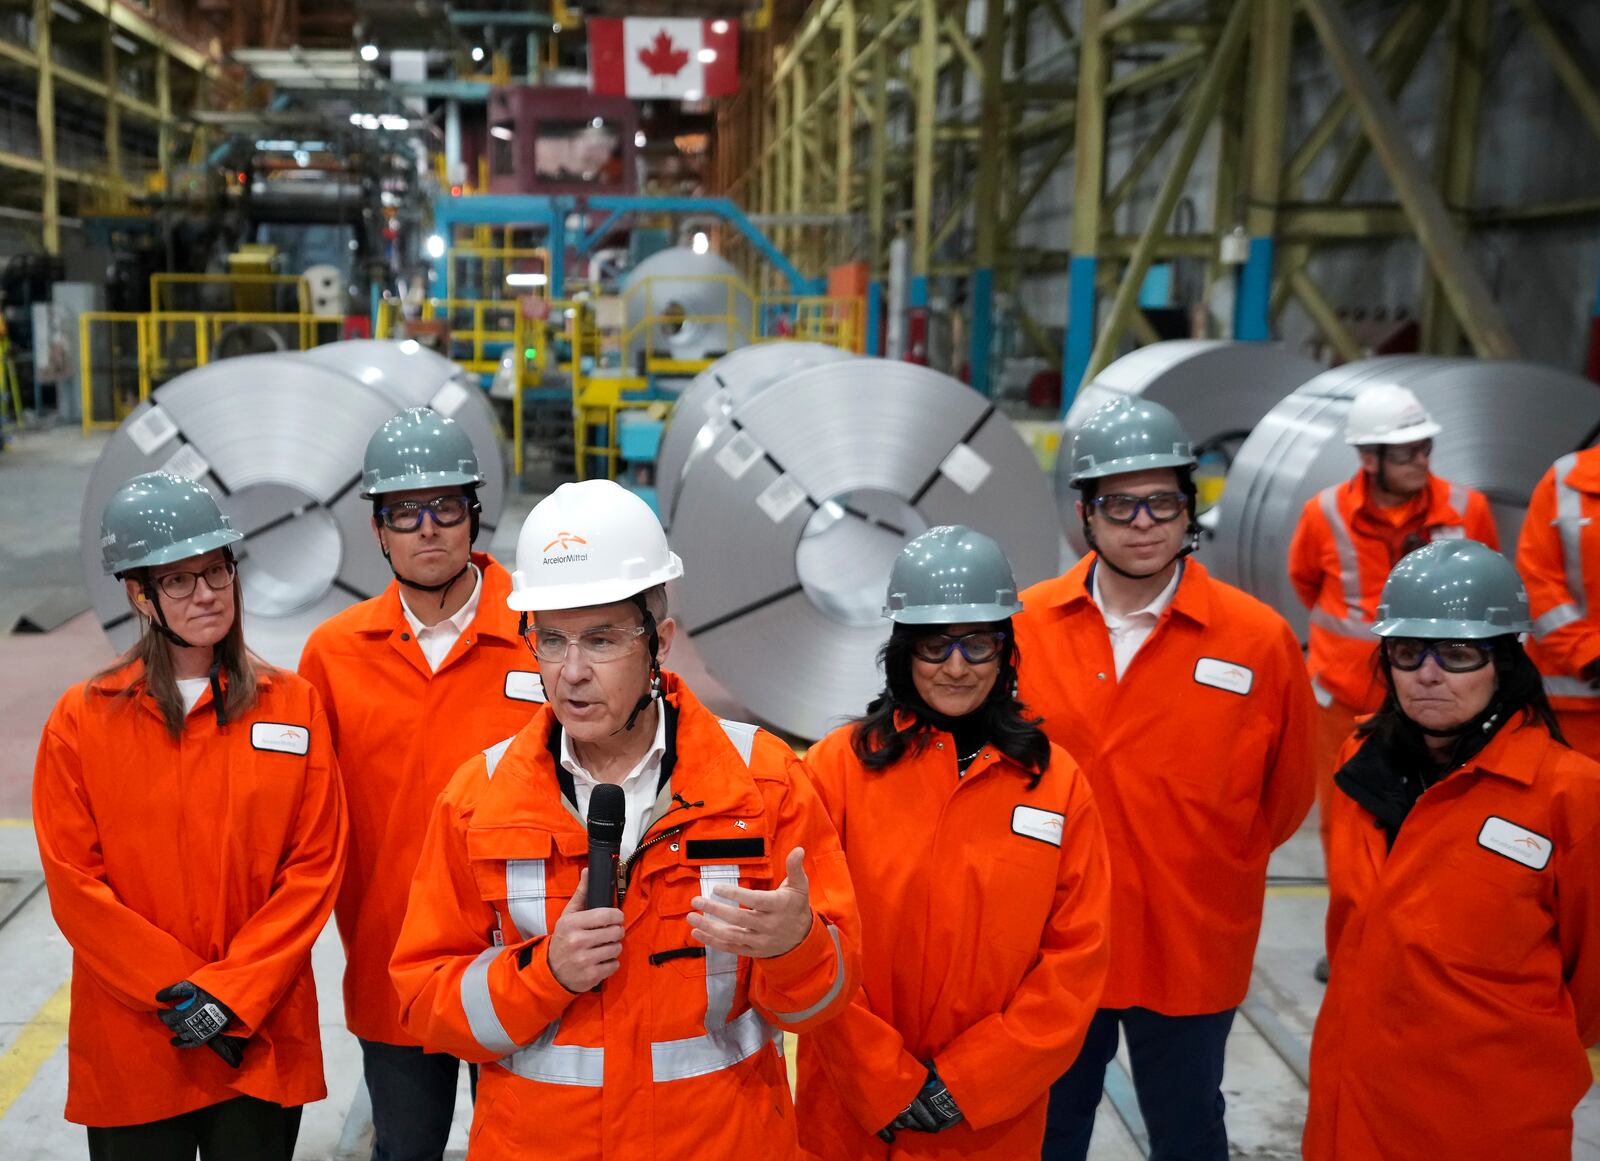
<point x="791" y="1049"/>
<point x="1306" y="890"/>
<point x="27" y="822"/>
<point x="35" y="1044"/>
<point x="1594" y="1064"/>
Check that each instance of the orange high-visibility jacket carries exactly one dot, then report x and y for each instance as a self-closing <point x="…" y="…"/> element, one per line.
<point x="1559" y="558"/>
<point x="676" y="1056"/>
<point x="1200" y="763"/>
<point x="1340" y="556"/>
<point x="214" y="859"/>
<point x="984" y="911"/>
<point x="1465" y="964"/>
<point x="400" y="730"/>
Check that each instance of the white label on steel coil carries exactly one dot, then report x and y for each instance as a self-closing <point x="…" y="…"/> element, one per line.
<point x="965" y="468"/>
<point x="187" y="462"/>
<point x="738" y="455"/>
<point x="449" y="398"/>
<point x="151" y="430"/>
<point x="780" y="498"/>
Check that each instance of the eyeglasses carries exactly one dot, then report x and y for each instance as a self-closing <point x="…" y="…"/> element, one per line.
<point x="178" y="585"/>
<point x="979" y="648"/>
<point x="598" y="646"/>
<point x="1121" y="508"/>
<point x="1404" y="453"/>
<point x="1409" y="653"/>
<point x="406" y="515"/>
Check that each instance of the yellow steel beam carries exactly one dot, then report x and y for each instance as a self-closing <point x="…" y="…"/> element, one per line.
<point x="927" y="110"/>
<point x="1269" y="99"/>
<point x="1152" y="144"/>
<point x="1123" y="14"/>
<point x="1468" y="295"/>
<point x="846" y="114"/>
<point x="1174" y="64"/>
<point x="147" y="30"/>
<point x="46" y="113"/>
<point x="1323" y="314"/>
<point x="1574" y="76"/>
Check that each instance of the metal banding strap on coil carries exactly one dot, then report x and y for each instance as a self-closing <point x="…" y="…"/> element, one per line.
<point x="1218" y="390"/>
<point x="1298" y="449"/>
<point x="789" y="519"/>
<point x="714" y="394"/>
<point x="411" y="375"/>
<point x="702" y="290"/>
<point x="279" y="439"/>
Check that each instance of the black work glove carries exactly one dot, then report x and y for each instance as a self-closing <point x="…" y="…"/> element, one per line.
<point x="1591" y="674"/>
<point x="931" y="1111"/>
<point x="197" y="1017"/>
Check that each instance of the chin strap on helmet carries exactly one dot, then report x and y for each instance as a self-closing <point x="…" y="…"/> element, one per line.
<point x="654" y="691"/>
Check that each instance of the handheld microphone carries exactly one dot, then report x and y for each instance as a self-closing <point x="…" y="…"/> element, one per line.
<point x="607" y="808"/>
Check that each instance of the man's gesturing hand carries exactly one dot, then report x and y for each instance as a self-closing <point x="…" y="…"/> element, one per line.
<point x="586" y="946"/>
<point x="759" y="924"/>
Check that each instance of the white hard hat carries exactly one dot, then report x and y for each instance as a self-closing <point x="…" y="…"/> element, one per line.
<point x="590" y="543"/>
<point x="1388" y="414"/>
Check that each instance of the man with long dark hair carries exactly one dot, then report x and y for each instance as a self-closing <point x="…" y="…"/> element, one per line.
<point x="1186" y="702"/>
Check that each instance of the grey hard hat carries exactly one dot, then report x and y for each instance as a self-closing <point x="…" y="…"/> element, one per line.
<point x="950" y="575"/>
<point x="1457" y="589"/>
<point x="1128" y="434"/>
<point x="157" y="518"/>
<point x="419" y="448"/>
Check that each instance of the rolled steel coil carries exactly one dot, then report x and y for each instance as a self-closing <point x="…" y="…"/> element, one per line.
<point x="701" y="290"/>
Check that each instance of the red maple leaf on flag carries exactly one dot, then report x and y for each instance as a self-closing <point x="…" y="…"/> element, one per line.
<point x="662" y="58"/>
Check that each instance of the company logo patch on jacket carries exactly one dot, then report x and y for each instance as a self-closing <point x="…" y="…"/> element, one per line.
<point x="524" y="685"/>
<point x="1517" y="843"/>
<point x="1044" y="825"/>
<point x="281" y="737"/>
<point x="1228" y="675"/>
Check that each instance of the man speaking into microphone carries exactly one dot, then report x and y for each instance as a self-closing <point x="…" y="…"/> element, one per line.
<point x="734" y="917"/>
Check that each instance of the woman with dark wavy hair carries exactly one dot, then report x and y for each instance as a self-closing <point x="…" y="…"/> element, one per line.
<point x="981" y="874"/>
<point x="1464" y="890"/>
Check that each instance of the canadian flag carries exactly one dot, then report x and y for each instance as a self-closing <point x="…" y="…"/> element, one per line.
<point x="647" y="57"/>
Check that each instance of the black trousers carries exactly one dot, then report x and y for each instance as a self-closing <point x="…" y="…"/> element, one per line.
<point x="241" y="1129"/>
<point x="413" y="1097"/>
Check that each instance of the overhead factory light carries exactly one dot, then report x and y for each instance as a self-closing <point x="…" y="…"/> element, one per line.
<point x="555" y="28"/>
<point x="706" y="56"/>
<point x="701" y="243"/>
<point x="435" y="246"/>
<point x="719" y="26"/>
<point x="66" y="12"/>
<point x="128" y="46"/>
<point x="477" y="52"/>
<point x="369" y="52"/>
<point x="692" y="95"/>
<point x="597" y="123"/>
<point x="639" y="139"/>
<point x="501" y="131"/>
<point x="527" y="279"/>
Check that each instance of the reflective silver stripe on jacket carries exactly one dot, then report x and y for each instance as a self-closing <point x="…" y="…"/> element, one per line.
<point x="1343" y="626"/>
<point x="525" y="896"/>
<point x="1570" y="522"/>
<point x="1345" y="548"/>
<point x="479" y="1007"/>
<point x="833" y="992"/>
<point x="1569" y="687"/>
<point x="545" y="1060"/>
<point x="701" y="1055"/>
<point x="722" y="967"/>
<point x="742" y="735"/>
<point x="492" y="756"/>
<point x="1458" y="500"/>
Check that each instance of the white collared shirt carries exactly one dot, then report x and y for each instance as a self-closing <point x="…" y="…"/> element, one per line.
<point x="638" y="788"/>
<point x="1130" y="632"/>
<point x="437" y="640"/>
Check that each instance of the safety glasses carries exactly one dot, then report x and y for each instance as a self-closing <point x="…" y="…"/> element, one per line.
<point x="978" y="648"/>
<point x="179" y="585"/>
<point x="598" y="646"/>
<point x="1409" y="653"/>
<point x="406" y="515"/>
<point x="1121" y="508"/>
<point x="1406" y="452"/>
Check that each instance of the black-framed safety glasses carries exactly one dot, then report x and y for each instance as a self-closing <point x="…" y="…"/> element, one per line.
<point x="406" y="515"/>
<point x="1409" y="653"/>
<point x="178" y="585"/>
<point x="1121" y="508"/>
<point x="979" y="647"/>
<point x="1404" y="453"/>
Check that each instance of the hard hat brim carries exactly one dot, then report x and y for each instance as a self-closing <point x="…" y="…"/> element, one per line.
<point x="555" y="598"/>
<point x="1416" y="433"/>
<point x="1447" y="629"/>
<point x="416" y="480"/>
<point x="1130" y="464"/>
<point x="182" y="550"/>
<point x="952" y="614"/>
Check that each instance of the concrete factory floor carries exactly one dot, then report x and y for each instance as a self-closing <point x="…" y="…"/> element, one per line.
<point x="42" y="481"/>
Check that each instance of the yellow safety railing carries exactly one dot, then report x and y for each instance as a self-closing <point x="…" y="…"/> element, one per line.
<point x="124" y="356"/>
<point x="247" y="293"/>
<point x="477" y="326"/>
